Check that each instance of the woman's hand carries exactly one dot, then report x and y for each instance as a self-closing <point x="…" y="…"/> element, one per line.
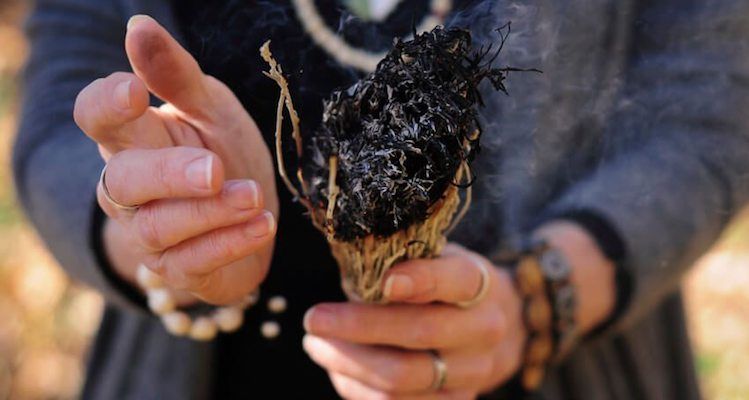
<point x="382" y="352"/>
<point x="197" y="167"/>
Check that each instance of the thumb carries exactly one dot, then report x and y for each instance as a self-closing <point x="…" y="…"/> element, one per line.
<point x="167" y="69"/>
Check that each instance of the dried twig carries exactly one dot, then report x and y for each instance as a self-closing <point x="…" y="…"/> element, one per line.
<point x="392" y="155"/>
<point x="284" y="99"/>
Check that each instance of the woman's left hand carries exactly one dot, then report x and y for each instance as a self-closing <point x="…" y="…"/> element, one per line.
<point x="383" y="352"/>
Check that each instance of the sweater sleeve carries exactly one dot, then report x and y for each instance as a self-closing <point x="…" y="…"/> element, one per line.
<point x="56" y="166"/>
<point x="677" y="168"/>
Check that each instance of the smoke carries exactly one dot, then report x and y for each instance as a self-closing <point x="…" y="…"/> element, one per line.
<point x="505" y="166"/>
<point x="550" y="124"/>
<point x="527" y="135"/>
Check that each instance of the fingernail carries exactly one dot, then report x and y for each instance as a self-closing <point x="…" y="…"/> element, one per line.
<point x="262" y="225"/>
<point x="307" y="321"/>
<point x="308" y="341"/>
<point x="134" y="20"/>
<point x="398" y="287"/>
<point x="243" y="194"/>
<point x="122" y="94"/>
<point x="319" y="319"/>
<point x="200" y="172"/>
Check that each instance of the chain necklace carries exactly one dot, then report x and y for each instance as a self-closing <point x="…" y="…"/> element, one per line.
<point x="342" y="51"/>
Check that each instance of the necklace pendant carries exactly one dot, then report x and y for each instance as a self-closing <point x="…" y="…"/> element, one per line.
<point x="360" y="8"/>
<point x="372" y="10"/>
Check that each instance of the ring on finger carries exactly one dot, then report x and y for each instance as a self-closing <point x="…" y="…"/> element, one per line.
<point x="440" y="371"/>
<point x="108" y="196"/>
<point x="483" y="289"/>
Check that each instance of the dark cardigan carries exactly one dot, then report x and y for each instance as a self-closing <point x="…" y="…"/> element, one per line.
<point x="638" y="118"/>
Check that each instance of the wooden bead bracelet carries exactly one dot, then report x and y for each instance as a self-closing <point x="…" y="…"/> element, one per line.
<point x="162" y="302"/>
<point x="543" y="280"/>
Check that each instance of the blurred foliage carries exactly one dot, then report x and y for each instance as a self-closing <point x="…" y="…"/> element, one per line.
<point x="717" y="300"/>
<point x="48" y="323"/>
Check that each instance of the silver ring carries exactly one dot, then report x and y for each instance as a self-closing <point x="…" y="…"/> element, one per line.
<point x="483" y="289"/>
<point x="440" y="371"/>
<point x="108" y="196"/>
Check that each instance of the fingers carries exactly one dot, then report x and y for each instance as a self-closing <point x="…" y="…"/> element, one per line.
<point x="114" y="112"/>
<point x="169" y="71"/>
<point x="190" y="264"/>
<point x="450" y="279"/>
<point x="351" y="389"/>
<point x="382" y="368"/>
<point x="397" y="371"/>
<point x="231" y="283"/>
<point x="136" y="177"/>
<point x="165" y="223"/>
<point x="408" y="326"/>
<point x="213" y="247"/>
<point x="107" y="104"/>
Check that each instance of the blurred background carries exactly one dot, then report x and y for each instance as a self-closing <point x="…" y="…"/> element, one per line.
<point x="47" y="322"/>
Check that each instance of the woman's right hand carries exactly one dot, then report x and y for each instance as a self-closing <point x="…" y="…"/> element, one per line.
<point x="197" y="167"/>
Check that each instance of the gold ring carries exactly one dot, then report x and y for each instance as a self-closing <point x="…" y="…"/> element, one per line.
<point x="440" y="371"/>
<point x="108" y="196"/>
<point x="483" y="289"/>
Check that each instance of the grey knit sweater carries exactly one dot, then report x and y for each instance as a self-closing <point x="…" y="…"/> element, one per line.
<point x="639" y="117"/>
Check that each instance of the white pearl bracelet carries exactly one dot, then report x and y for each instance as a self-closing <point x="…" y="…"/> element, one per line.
<point x="161" y="301"/>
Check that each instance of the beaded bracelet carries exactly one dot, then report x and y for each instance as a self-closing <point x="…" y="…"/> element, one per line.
<point x="561" y="293"/>
<point x="543" y="280"/>
<point x="537" y="316"/>
<point x="161" y="301"/>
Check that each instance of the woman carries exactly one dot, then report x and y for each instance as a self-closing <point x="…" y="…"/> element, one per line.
<point x="627" y="157"/>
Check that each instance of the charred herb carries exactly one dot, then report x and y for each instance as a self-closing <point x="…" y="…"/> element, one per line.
<point x="401" y="134"/>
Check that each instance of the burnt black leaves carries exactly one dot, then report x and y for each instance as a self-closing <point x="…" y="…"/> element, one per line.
<point x="401" y="133"/>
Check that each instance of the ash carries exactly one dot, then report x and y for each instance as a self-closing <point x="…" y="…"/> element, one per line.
<point x="401" y="133"/>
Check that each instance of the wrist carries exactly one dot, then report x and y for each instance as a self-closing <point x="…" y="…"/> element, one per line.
<point x="123" y="291"/>
<point x="568" y="288"/>
<point x="123" y="260"/>
<point x="592" y="273"/>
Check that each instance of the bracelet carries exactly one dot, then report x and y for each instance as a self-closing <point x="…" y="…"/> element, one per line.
<point x="543" y="279"/>
<point x="537" y="316"/>
<point x="161" y="301"/>
<point x="561" y="293"/>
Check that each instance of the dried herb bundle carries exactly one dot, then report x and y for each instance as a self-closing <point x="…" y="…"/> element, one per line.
<point x="400" y="134"/>
<point x="380" y="176"/>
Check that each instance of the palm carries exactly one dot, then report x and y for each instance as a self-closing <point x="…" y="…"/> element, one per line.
<point x="235" y="138"/>
<point x="198" y="112"/>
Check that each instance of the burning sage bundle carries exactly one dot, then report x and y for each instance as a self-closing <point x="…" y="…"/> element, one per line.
<point x="381" y="176"/>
